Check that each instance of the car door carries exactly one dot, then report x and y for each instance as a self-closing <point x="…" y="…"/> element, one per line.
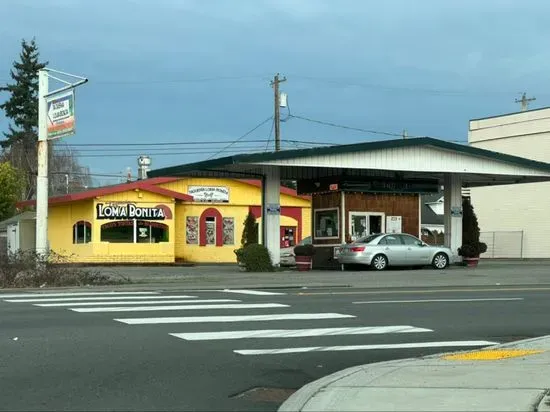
<point x="394" y="249"/>
<point x="417" y="252"/>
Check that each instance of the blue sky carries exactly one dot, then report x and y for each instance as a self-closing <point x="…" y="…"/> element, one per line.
<point x="199" y="70"/>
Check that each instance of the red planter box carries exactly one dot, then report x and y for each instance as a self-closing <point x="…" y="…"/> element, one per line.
<point x="303" y="263"/>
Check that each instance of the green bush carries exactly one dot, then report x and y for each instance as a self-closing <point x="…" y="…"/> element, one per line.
<point x="256" y="258"/>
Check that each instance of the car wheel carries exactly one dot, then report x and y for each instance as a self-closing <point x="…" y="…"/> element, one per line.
<point x="379" y="262"/>
<point x="440" y="261"/>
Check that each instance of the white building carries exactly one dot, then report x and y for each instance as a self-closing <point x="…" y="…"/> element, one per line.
<point x="514" y="218"/>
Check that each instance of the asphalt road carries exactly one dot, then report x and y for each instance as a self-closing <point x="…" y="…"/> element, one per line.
<point x="87" y="356"/>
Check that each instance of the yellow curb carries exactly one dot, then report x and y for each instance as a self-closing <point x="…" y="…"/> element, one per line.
<point x="494" y="354"/>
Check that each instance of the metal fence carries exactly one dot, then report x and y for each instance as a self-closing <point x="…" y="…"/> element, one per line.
<point x="503" y="244"/>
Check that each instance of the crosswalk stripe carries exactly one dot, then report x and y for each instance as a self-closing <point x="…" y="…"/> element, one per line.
<point x="443" y="344"/>
<point x="34" y="295"/>
<point x="92" y="298"/>
<point x="297" y="333"/>
<point x="149" y="302"/>
<point x="251" y="292"/>
<point x="241" y="318"/>
<point x="186" y="307"/>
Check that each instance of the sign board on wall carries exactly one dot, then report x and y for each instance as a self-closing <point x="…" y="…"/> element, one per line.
<point x="61" y="120"/>
<point x="394" y="224"/>
<point x="214" y="194"/>
<point x="273" y="209"/>
<point x="129" y="211"/>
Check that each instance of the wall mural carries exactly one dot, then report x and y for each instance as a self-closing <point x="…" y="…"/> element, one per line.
<point x="228" y="231"/>
<point x="192" y="230"/>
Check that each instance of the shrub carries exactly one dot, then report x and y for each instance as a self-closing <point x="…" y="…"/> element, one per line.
<point x="471" y="246"/>
<point x="250" y="231"/>
<point x="304" y="250"/>
<point x="27" y="269"/>
<point x="256" y="258"/>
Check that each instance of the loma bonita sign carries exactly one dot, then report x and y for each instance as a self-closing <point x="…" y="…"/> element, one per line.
<point x="129" y="211"/>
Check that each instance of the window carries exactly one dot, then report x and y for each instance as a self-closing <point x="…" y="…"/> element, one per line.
<point x="228" y="231"/>
<point x="390" y="240"/>
<point x="326" y="224"/>
<point x="410" y="241"/>
<point x="134" y="231"/>
<point x="118" y="232"/>
<point x="368" y="239"/>
<point x="82" y="232"/>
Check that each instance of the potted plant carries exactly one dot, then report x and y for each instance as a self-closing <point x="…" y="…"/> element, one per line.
<point x="304" y="257"/>
<point x="471" y="247"/>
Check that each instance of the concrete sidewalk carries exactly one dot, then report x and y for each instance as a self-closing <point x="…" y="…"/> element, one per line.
<point x="228" y="276"/>
<point x="509" y="377"/>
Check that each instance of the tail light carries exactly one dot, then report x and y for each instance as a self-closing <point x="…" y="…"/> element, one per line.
<point x="357" y="249"/>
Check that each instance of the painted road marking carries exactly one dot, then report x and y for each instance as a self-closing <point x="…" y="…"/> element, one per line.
<point x="34" y="295"/>
<point x="297" y="333"/>
<point x="242" y="318"/>
<point x="149" y="302"/>
<point x="103" y="298"/>
<point x="181" y="307"/>
<point x="436" y="300"/>
<point x="442" y="344"/>
<point x="492" y="354"/>
<point x="251" y="292"/>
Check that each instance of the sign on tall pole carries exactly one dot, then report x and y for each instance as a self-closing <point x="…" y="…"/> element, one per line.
<point x="56" y="119"/>
<point x="61" y="120"/>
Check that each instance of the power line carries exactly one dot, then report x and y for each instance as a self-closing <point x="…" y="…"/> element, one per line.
<point x="159" y="150"/>
<point x="243" y="136"/>
<point x="164" y="143"/>
<point x="357" y="129"/>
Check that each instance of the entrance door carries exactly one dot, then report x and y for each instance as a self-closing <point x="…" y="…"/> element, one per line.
<point x="13" y="238"/>
<point x="365" y="223"/>
<point x="288" y="236"/>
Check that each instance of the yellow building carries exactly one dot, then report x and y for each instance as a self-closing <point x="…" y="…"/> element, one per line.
<point x="164" y="220"/>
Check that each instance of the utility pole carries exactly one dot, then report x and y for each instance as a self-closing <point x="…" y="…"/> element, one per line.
<point x="277" y="116"/>
<point x="42" y="175"/>
<point x="45" y="96"/>
<point x="525" y="102"/>
<point x="405" y="134"/>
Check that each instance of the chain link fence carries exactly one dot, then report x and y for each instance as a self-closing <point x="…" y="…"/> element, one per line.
<point x="502" y="244"/>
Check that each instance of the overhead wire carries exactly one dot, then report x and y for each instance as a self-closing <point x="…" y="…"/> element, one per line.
<point x="242" y="137"/>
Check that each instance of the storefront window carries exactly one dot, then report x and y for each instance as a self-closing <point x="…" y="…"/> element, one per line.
<point x="151" y="232"/>
<point x="132" y="231"/>
<point x="192" y="230"/>
<point x="228" y="231"/>
<point x="118" y="232"/>
<point x="82" y="232"/>
<point x="326" y="224"/>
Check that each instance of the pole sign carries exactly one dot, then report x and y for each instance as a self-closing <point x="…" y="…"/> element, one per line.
<point x="61" y="120"/>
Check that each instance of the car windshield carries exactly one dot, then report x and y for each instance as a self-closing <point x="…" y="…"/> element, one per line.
<point x="367" y="239"/>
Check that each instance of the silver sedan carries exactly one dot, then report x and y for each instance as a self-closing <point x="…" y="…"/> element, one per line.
<point x="383" y="250"/>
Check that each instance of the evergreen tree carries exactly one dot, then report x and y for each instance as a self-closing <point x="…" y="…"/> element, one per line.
<point x="250" y="231"/>
<point x="471" y="246"/>
<point x="22" y="108"/>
